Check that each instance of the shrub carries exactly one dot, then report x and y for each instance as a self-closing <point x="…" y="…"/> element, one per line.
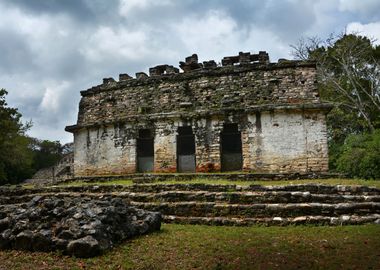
<point x="360" y="156"/>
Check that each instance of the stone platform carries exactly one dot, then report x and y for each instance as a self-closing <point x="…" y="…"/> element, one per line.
<point x="232" y="204"/>
<point x="234" y="176"/>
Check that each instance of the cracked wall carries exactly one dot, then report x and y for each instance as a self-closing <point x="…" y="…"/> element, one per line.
<point x="286" y="142"/>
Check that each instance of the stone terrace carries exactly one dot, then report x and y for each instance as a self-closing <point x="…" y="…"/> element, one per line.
<point x="233" y="204"/>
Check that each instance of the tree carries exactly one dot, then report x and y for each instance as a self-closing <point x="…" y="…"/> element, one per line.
<point x="349" y="76"/>
<point x="45" y="153"/>
<point x="15" y="157"/>
<point x="20" y="155"/>
<point x="360" y="156"/>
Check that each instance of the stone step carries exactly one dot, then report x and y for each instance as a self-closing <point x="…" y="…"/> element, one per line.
<point x="155" y="188"/>
<point x="248" y="197"/>
<point x="312" y="188"/>
<point x="241" y="208"/>
<point x="276" y="221"/>
<point x="205" y="196"/>
<point x="211" y="209"/>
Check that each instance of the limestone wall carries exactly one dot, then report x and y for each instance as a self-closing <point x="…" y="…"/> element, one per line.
<point x="284" y="141"/>
<point x="104" y="150"/>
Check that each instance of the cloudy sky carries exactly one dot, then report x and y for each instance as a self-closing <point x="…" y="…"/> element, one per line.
<point x="52" y="49"/>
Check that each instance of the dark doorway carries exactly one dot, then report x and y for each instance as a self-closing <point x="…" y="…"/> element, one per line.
<point x="185" y="150"/>
<point x="145" y="150"/>
<point x="231" y="149"/>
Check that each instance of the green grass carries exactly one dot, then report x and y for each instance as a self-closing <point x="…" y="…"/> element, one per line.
<point x="333" y="181"/>
<point x="107" y="183"/>
<point x="203" y="247"/>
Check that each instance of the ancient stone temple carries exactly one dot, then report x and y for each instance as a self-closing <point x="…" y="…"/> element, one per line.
<point x="245" y="114"/>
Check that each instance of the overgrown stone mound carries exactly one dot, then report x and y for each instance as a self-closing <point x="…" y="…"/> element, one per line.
<point x="79" y="226"/>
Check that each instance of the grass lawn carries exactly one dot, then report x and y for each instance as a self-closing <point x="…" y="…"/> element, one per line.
<point x="204" y="247"/>
<point x="332" y="181"/>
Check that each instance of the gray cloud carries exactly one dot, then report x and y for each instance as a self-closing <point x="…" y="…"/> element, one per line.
<point x="367" y="10"/>
<point x="16" y="55"/>
<point x="50" y="50"/>
<point x="80" y="10"/>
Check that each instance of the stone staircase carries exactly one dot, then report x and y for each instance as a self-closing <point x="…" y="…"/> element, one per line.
<point x="235" y="205"/>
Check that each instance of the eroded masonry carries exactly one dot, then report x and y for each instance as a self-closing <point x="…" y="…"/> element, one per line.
<point x="246" y="114"/>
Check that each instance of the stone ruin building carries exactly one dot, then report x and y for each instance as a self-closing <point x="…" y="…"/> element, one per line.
<point x="245" y="114"/>
<point x="60" y="171"/>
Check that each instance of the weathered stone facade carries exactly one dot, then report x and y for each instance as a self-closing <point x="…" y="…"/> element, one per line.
<point x="247" y="114"/>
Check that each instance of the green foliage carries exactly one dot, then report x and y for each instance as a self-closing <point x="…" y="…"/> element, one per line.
<point x="360" y="156"/>
<point x="349" y="72"/>
<point x="16" y="157"/>
<point x="340" y="124"/>
<point x="20" y="155"/>
<point x="349" y="77"/>
<point x="20" y="158"/>
<point x="45" y="153"/>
